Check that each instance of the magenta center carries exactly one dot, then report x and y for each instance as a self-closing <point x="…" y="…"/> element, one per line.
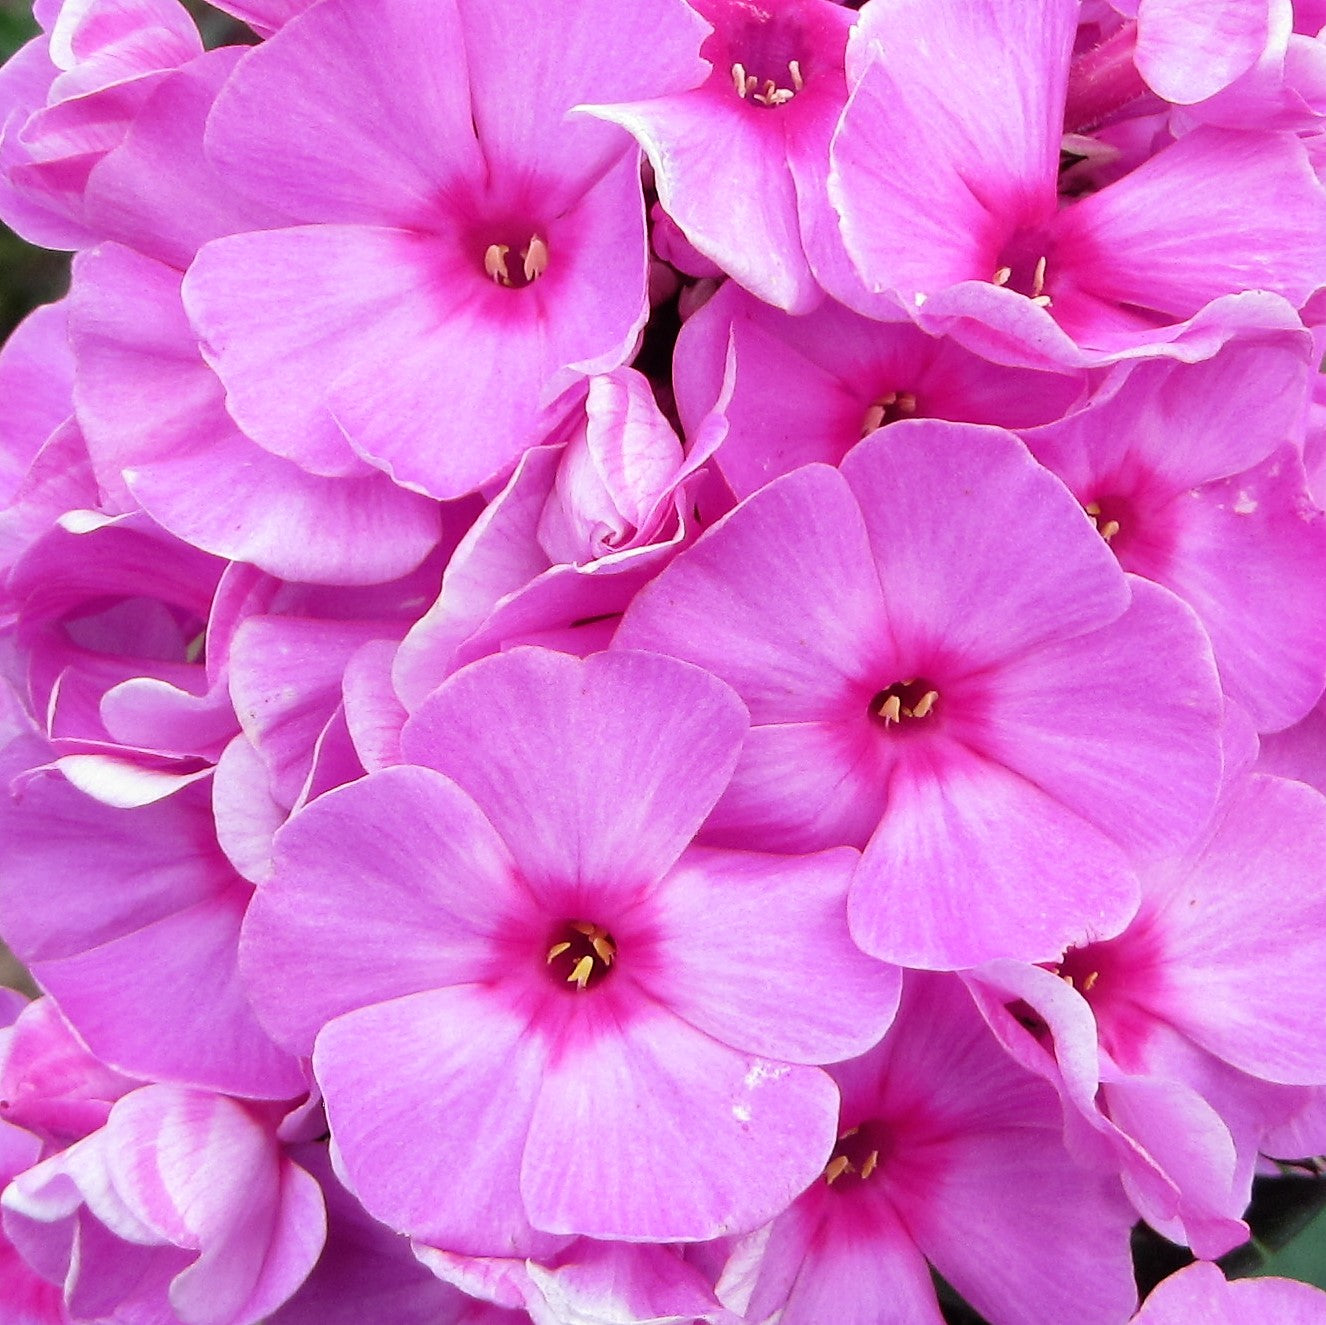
<point x="905" y="705"/>
<point x="580" y="955"/>
<point x="857" y="1156"/>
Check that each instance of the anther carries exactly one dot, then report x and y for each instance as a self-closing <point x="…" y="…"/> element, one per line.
<point x="1107" y="530"/>
<point x="1090" y="982"/>
<point x="871" y="1164"/>
<point x="794" y="68"/>
<point x="556" y="951"/>
<point x="1001" y="277"/>
<point x="891" y="709"/>
<point x="739" y="80"/>
<point x="604" y="947"/>
<point x="836" y="1168"/>
<point x="1038" y="278"/>
<point x="494" y="263"/>
<point x="925" y="704"/>
<point x="535" y="258"/>
<point x="581" y="972"/>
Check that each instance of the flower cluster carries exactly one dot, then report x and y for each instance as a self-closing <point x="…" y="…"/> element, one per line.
<point x="663" y="661"/>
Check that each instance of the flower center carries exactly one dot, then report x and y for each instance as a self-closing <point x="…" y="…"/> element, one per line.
<point x="1105" y="516"/>
<point x="856" y="1156"/>
<point x="581" y="954"/>
<point x="1029" y="281"/>
<point x="503" y="269"/>
<point x="768" y="91"/>
<point x="889" y="408"/>
<point x="904" y="703"/>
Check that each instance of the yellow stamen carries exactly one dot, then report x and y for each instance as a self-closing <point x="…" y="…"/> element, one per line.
<point x="874" y="419"/>
<point x="794" y="68"/>
<point x="556" y="951"/>
<point x="1090" y="982"/>
<point x="583" y="927"/>
<point x="1042" y="300"/>
<point x="739" y="80"/>
<point x="1109" y="529"/>
<point x="1038" y="278"/>
<point x="836" y="1169"/>
<point x="494" y="263"/>
<point x="604" y="947"/>
<point x="925" y="704"/>
<point x="891" y="709"/>
<point x="871" y="1164"/>
<point x="1002" y="275"/>
<point x="581" y="973"/>
<point x="535" y="258"/>
<point x="906" y="402"/>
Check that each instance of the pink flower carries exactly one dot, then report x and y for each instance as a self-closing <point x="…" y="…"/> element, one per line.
<point x="945" y="667"/>
<point x="183" y="1204"/>
<point x="951" y="1153"/>
<point x="1205" y="1008"/>
<point x="67" y="98"/>
<point x="455" y="276"/>
<point x="1191" y="475"/>
<point x="808" y="388"/>
<point x="740" y="161"/>
<point x="946" y="183"/>
<point x="559" y="553"/>
<point x="542" y="985"/>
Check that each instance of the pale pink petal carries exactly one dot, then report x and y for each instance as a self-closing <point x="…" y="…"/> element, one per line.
<point x="1148" y="777"/>
<point x="437" y="1154"/>
<point x="781" y="599"/>
<point x="959" y="578"/>
<point x="1241" y="933"/>
<point x="351" y="148"/>
<point x="1199" y="1295"/>
<point x="978" y="863"/>
<point x="656" y="1133"/>
<point x="1177" y="231"/>
<point x="754" y="951"/>
<point x="569" y="786"/>
<point x="430" y="882"/>
<point x="722" y="175"/>
<point x="1189" y="51"/>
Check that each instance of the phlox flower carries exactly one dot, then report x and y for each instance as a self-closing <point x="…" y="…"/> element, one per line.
<point x="1191" y="473"/>
<point x="183" y="1206"/>
<point x="946" y="668"/>
<point x="581" y="526"/>
<point x="947" y="187"/>
<point x="453" y="276"/>
<point x="527" y="1012"/>
<point x="948" y="1152"/>
<point x="740" y="161"/>
<point x="69" y="96"/>
<point x="808" y="388"/>
<point x="1206" y="1011"/>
